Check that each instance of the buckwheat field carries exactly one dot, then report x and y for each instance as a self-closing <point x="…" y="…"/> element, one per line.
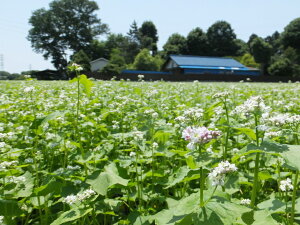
<point x="118" y="152"/>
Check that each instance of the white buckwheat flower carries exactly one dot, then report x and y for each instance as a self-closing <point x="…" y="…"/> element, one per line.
<point x="254" y="104"/>
<point x="198" y="135"/>
<point x="85" y="195"/>
<point x="1" y="219"/>
<point x="245" y="201"/>
<point x="217" y="175"/>
<point x="2" y="144"/>
<point x="221" y="94"/>
<point x="28" y="89"/>
<point x="70" y="200"/>
<point x="132" y="154"/>
<point x="286" y="185"/>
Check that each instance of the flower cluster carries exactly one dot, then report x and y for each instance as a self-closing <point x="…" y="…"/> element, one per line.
<point x="245" y="201"/>
<point x="286" y="185"/>
<point x="254" y="104"/>
<point x="221" y="94"/>
<point x="217" y="175"/>
<point x="4" y="165"/>
<point x="198" y="135"/>
<point x="1" y="219"/>
<point x="72" y="199"/>
<point x="28" y="89"/>
<point x="140" y="77"/>
<point x="16" y="180"/>
<point x="73" y="167"/>
<point x="283" y="119"/>
<point x="75" y="67"/>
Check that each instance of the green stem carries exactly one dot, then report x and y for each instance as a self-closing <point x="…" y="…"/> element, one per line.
<point x="256" y="130"/>
<point x="211" y="195"/>
<point x="78" y="107"/>
<point x="227" y="131"/>
<point x="201" y="187"/>
<point x="255" y="182"/>
<point x="201" y="181"/>
<point x="152" y="169"/>
<point x="279" y="177"/>
<point x="137" y="179"/>
<point x="226" y="144"/>
<point x="286" y="206"/>
<point x="295" y="185"/>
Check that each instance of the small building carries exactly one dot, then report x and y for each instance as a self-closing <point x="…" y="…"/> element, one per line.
<point x="98" y="64"/>
<point x="186" y="64"/>
<point x="49" y="75"/>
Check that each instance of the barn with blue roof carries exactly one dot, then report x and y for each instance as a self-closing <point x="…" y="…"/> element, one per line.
<point x="186" y="64"/>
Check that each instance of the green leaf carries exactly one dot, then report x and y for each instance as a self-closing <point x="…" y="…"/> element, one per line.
<point x="187" y="211"/>
<point x="264" y="175"/>
<point x="249" y="132"/>
<point x="40" y="121"/>
<point x="178" y="176"/>
<point x="102" y="181"/>
<point x="53" y="187"/>
<point x="225" y="211"/>
<point x="190" y="161"/>
<point x="86" y="84"/>
<point x="291" y="153"/>
<point x="272" y="205"/>
<point x="71" y="215"/>
<point x="292" y="156"/>
<point x="9" y="208"/>
<point x="263" y="217"/>
<point x="26" y="189"/>
<point x="161" y="137"/>
<point x="232" y="184"/>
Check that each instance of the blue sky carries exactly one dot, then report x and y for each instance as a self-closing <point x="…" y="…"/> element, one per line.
<point x="262" y="17"/>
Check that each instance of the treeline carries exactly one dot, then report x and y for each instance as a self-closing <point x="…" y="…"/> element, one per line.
<point x="54" y="34"/>
<point x="277" y="54"/>
<point x="4" y="75"/>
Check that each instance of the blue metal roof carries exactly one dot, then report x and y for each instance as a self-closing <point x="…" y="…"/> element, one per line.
<point x="182" y="60"/>
<point x="215" y="68"/>
<point x="144" y="72"/>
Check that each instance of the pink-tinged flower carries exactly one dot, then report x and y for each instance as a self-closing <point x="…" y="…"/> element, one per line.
<point x="187" y="133"/>
<point x="199" y="135"/>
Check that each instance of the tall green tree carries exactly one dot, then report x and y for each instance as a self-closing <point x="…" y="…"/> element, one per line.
<point x="285" y="64"/>
<point x="97" y="49"/>
<point x="242" y="47"/>
<point x="116" y="63"/>
<point x="281" y="67"/>
<point x="82" y="59"/>
<point x="148" y="36"/>
<point x="197" y="43"/>
<point x="133" y="33"/>
<point x="221" y="38"/>
<point x="128" y="48"/>
<point x="262" y="52"/>
<point x="144" y="61"/>
<point x="134" y="45"/>
<point x="176" y="44"/>
<point x="275" y="41"/>
<point x="67" y="26"/>
<point x="291" y="35"/>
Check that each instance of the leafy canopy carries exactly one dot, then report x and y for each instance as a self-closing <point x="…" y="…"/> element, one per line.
<point x="68" y="25"/>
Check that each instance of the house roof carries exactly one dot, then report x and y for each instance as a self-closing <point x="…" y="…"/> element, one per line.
<point x="100" y="59"/>
<point x="197" y="62"/>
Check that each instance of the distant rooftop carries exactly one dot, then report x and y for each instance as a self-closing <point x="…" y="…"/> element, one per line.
<point x="205" y="61"/>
